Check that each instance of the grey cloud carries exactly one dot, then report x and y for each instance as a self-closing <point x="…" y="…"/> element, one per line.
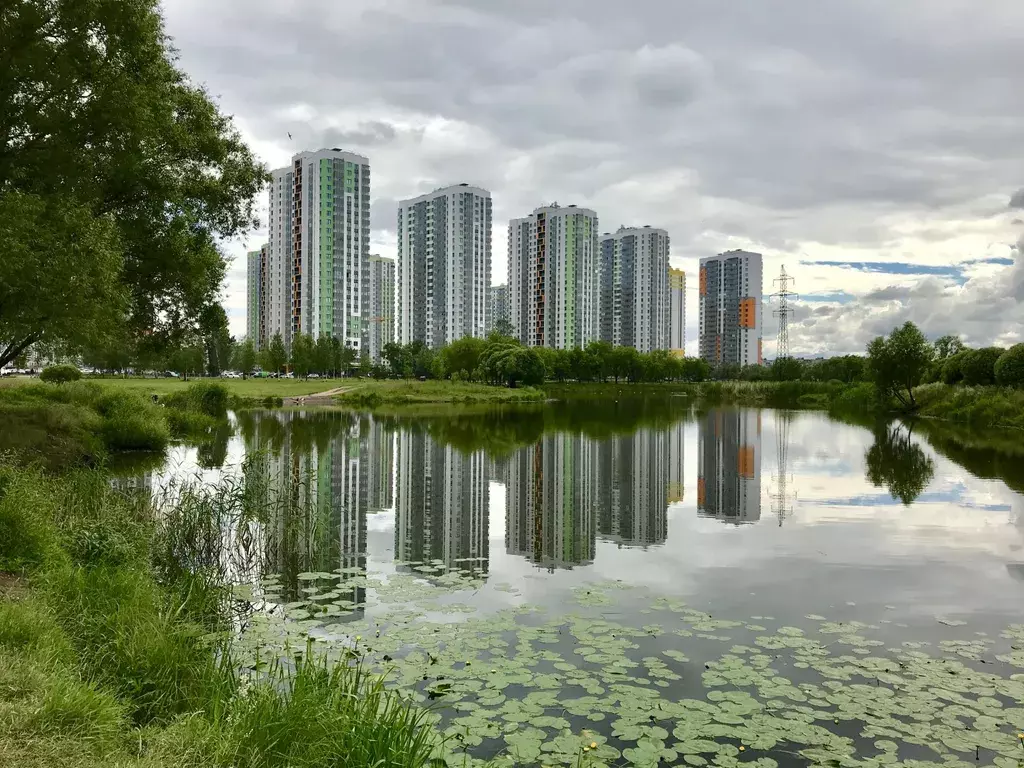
<point x="1017" y="199"/>
<point x="367" y="134"/>
<point x="384" y="214"/>
<point x="781" y="128"/>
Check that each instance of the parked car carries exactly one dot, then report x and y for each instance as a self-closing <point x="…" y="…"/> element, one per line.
<point x="313" y="376"/>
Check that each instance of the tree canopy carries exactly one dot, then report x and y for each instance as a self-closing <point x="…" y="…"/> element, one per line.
<point x="118" y="176"/>
<point x="898" y="363"/>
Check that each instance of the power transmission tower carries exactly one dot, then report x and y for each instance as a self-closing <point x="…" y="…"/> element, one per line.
<point x="783" y="297"/>
<point x="782" y="506"/>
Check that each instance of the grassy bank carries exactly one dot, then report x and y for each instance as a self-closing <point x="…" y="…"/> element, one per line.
<point x="113" y="654"/>
<point x="63" y="425"/>
<point x="983" y="407"/>
<point x="244" y="388"/>
<point x="371" y="393"/>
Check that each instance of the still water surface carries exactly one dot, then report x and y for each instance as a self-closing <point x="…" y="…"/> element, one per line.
<point x="616" y="569"/>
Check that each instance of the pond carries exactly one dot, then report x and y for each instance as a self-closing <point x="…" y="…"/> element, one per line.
<point x="637" y="581"/>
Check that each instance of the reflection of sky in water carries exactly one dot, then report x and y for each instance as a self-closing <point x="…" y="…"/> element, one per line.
<point x="657" y="508"/>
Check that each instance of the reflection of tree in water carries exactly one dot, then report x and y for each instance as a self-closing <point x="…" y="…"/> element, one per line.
<point x="898" y="463"/>
<point x="213" y="452"/>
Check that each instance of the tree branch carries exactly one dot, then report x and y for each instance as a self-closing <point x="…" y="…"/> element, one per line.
<point x="16" y="347"/>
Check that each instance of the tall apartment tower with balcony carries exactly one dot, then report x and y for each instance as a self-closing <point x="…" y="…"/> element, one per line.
<point x="320" y="247"/>
<point x="382" y="305"/>
<point x="677" y="312"/>
<point x="634" y="288"/>
<point x="278" y="299"/>
<point x="256" y="296"/>
<point x="554" y="286"/>
<point x="444" y="265"/>
<point x="730" y="308"/>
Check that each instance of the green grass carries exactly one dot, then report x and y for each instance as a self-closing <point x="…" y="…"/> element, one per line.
<point x="976" y="406"/>
<point x="84" y="422"/>
<point x="372" y="393"/>
<point x="116" y="654"/>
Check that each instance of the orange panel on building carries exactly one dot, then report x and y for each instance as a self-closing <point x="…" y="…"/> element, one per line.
<point x="700" y="491"/>
<point x="703" y="281"/>
<point x="746" y="461"/>
<point x="748" y="313"/>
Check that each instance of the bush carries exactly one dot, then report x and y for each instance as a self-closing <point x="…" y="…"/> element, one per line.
<point x="132" y="423"/>
<point x="978" y="366"/>
<point x="1009" y="367"/>
<point x="60" y="374"/>
<point x="203" y="397"/>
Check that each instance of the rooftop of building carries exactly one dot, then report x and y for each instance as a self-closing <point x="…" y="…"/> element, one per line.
<point x="462" y="187"/>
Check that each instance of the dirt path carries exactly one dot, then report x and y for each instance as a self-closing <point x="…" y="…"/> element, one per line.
<point x="319" y="398"/>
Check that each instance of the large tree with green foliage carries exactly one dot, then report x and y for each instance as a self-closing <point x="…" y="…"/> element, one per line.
<point x="118" y="177"/>
<point x="946" y="346"/>
<point x="275" y="356"/>
<point x="896" y="364"/>
<point x="244" y="358"/>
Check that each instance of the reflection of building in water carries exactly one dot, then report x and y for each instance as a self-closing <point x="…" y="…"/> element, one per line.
<point x="549" y="502"/>
<point x="141" y="483"/>
<point x="632" y="484"/>
<point x="729" y="466"/>
<point x="381" y="470"/>
<point x="676" y="456"/>
<point x="322" y="476"/>
<point x="441" y="504"/>
<point x="497" y="469"/>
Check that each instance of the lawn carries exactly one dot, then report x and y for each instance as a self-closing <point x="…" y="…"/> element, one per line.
<point x="355" y="391"/>
<point x="240" y="387"/>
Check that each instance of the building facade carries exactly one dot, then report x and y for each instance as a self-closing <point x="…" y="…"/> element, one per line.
<point x="444" y="265"/>
<point x="497" y="312"/>
<point x="382" y="305"/>
<point x="319" y="249"/>
<point x="634" y="306"/>
<point x="554" y="286"/>
<point x="677" y="312"/>
<point x="280" y="263"/>
<point x="730" y="309"/>
<point x="257" y="289"/>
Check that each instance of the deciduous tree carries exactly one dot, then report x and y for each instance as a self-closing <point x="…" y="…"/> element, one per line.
<point x="118" y="177"/>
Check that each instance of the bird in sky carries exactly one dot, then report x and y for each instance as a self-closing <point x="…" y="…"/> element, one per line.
<point x="289" y="135"/>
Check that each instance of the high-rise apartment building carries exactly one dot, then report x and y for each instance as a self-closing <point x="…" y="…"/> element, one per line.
<point x="319" y="247"/>
<point x="382" y="305"/>
<point x="677" y="312"/>
<point x="730" y="308"/>
<point x="278" y="283"/>
<point x="497" y="313"/>
<point x="553" y="264"/>
<point x="256" y="285"/>
<point x="444" y="265"/>
<point x="634" y="288"/>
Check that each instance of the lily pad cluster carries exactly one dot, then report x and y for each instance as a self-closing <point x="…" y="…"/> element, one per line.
<point x="670" y="685"/>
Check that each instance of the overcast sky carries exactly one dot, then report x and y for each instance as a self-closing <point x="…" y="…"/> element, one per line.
<point x="875" y="148"/>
